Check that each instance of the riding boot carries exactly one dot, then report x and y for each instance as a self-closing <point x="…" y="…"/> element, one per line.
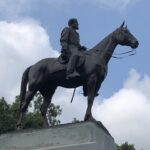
<point x="71" y="71"/>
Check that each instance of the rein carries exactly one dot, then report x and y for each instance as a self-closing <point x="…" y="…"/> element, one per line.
<point x="122" y="55"/>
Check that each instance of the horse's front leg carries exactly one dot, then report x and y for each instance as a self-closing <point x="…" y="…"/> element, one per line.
<point x="91" y="90"/>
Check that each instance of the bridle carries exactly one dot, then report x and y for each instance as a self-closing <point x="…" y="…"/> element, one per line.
<point x="123" y="55"/>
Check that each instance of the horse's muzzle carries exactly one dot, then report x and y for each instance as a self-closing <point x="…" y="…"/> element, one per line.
<point x="135" y="44"/>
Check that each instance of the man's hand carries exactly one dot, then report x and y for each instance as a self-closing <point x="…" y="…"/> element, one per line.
<point x="63" y="51"/>
<point x="83" y="48"/>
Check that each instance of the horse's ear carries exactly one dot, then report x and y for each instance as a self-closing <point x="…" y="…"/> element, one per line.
<point x="122" y="24"/>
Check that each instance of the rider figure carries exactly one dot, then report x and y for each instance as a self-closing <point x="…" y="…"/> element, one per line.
<point x="70" y="43"/>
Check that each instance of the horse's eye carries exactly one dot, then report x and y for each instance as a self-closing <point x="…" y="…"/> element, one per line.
<point x="126" y="30"/>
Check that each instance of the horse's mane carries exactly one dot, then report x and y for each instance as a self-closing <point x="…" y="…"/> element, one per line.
<point x="101" y="45"/>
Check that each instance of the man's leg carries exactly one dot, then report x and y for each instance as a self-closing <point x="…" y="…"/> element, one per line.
<point x="71" y="67"/>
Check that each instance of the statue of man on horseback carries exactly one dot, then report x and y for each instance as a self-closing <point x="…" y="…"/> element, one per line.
<point x="71" y="48"/>
<point x="47" y="74"/>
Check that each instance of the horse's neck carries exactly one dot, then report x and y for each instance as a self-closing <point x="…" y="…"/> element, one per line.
<point x="104" y="50"/>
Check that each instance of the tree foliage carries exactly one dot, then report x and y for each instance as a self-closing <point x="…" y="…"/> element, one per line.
<point x="34" y="119"/>
<point x="126" y="146"/>
<point x="9" y="114"/>
<point x="6" y="118"/>
<point x="75" y="120"/>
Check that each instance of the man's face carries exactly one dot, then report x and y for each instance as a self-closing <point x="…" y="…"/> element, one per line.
<point x="75" y="25"/>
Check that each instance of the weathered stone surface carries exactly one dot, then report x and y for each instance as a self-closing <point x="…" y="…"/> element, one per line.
<point x="78" y="136"/>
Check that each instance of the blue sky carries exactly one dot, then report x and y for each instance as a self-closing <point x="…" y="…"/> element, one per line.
<point x="30" y="31"/>
<point x="96" y="19"/>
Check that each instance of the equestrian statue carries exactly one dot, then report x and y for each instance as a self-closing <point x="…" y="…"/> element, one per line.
<point x="75" y="67"/>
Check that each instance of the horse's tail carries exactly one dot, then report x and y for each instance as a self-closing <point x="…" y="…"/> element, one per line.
<point x="24" y="82"/>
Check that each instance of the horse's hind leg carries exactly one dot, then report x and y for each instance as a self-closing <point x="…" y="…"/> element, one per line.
<point x="47" y="95"/>
<point x="28" y="98"/>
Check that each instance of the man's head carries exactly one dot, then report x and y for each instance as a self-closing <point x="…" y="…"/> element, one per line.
<point x="73" y="22"/>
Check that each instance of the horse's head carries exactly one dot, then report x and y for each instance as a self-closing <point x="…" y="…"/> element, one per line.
<point x="123" y="37"/>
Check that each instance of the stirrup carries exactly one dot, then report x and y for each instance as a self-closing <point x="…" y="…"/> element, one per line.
<point x="73" y="75"/>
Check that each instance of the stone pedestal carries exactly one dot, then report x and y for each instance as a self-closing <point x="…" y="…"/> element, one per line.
<point x="78" y="136"/>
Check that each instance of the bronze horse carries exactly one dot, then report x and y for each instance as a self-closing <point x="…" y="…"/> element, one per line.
<point x="46" y="75"/>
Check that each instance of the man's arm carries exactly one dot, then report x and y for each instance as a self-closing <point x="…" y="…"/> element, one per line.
<point x="82" y="48"/>
<point x="64" y="38"/>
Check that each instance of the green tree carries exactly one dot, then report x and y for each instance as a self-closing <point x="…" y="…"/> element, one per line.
<point x="6" y="118"/>
<point x="75" y="120"/>
<point x="126" y="146"/>
<point x="9" y="114"/>
<point x="34" y="119"/>
<point x="14" y="108"/>
<point x="53" y="111"/>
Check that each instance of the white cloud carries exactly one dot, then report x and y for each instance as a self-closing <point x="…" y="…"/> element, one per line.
<point x="76" y="109"/>
<point x="21" y="44"/>
<point x="126" y="113"/>
<point x="135" y="81"/>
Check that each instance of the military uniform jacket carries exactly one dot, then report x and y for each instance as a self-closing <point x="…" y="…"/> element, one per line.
<point x="70" y="38"/>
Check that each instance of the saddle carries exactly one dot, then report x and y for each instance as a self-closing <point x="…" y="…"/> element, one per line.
<point x="64" y="60"/>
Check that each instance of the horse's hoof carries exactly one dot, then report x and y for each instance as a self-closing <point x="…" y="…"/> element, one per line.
<point x="89" y="118"/>
<point x="18" y="127"/>
<point x="97" y="94"/>
<point x="45" y="126"/>
<point x="92" y="119"/>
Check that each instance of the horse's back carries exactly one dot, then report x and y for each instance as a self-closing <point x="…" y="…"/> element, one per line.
<point x="47" y="65"/>
<point x="45" y="62"/>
